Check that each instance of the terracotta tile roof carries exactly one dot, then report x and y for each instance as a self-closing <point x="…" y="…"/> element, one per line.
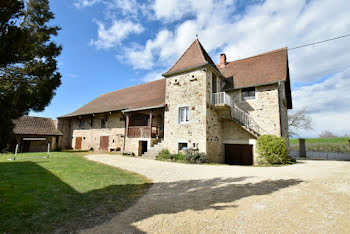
<point x="193" y="57"/>
<point x="29" y="125"/>
<point x="140" y="96"/>
<point x="260" y="69"/>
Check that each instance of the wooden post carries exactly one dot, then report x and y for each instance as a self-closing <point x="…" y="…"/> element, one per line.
<point x="127" y="124"/>
<point x="302" y="148"/>
<point x="150" y="123"/>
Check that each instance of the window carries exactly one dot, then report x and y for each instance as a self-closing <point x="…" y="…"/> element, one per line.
<point x="248" y="93"/>
<point x="182" y="146"/>
<point x="184" y="114"/>
<point x="213" y="83"/>
<point x="103" y="123"/>
<point x="81" y="123"/>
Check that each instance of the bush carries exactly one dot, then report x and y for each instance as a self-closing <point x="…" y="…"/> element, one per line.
<point x="193" y="156"/>
<point x="178" y="157"/>
<point x="164" y="155"/>
<point x="272" y="150"/>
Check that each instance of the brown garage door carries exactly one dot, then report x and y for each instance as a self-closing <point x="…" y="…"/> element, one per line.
<point x="104" y="140"/>
<point x="78" y="141"/>
<point x="238" y="154"/>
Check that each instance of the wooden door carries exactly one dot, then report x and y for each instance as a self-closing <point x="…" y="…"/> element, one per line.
<point x="143" y="145"/>
<point x="78" y="141"/>
<point x="237" y="154"/>
<point x="104" y="143"/>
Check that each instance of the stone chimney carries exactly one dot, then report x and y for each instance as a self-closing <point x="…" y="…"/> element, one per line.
<point x="222" y="60"/>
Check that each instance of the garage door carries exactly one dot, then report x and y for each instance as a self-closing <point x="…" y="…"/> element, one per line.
<point x="236" y="154"/>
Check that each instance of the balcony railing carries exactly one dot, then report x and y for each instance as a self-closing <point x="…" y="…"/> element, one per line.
<point x="221" y="98"/>
<point x="144" y="132"/>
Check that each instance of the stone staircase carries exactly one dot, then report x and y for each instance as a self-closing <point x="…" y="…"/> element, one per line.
<point x="153" y="151"/>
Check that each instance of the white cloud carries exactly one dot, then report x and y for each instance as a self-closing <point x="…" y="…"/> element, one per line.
<point x="259" y="28"/>
<point x="224" y="26"/>
<point x="85" y="3"/>
<point x="328" y="104"/>
<point x="152" y="76"/>
<point x="110" y="37"/>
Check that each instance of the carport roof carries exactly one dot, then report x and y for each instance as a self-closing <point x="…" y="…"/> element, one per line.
<point x="30" y="125"/>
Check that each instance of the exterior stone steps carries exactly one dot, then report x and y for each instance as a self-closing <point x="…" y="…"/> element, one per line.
<point x="153" y="151"/>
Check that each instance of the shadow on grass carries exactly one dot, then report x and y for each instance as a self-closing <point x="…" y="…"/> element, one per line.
<point x="33" y="199"/>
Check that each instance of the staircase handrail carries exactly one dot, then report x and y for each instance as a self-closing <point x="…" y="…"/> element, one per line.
<point x="245" y="119"/>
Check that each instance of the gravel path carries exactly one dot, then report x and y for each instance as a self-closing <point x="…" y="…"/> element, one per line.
<point x="307" y="197"/>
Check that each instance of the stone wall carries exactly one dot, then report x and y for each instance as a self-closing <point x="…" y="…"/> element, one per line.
<point x="186" y="89"/>
<point x="114" y="128"/>
<point x="215" y="128"/>
<point x="264" y="109"/>
<point x="64" y="125"/>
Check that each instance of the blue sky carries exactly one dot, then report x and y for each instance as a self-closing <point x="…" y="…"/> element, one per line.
<point x="113" y="44"/>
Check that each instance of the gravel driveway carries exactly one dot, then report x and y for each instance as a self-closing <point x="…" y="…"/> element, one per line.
<point x="307" y="197"/>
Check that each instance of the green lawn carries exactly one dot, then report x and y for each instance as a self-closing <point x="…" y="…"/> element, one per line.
<point x="65" y="192"/>
<point x="322" y="140"/>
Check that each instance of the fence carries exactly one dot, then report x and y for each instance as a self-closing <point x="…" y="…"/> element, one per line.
<point x="330" y="151"/>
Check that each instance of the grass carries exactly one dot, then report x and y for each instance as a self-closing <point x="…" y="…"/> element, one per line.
<point x="65" y="192"/>
<point x="334" y="145"/>
<point x="322" y="140"/>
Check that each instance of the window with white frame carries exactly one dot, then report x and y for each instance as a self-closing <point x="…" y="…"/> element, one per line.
<point x="184" y="114"/>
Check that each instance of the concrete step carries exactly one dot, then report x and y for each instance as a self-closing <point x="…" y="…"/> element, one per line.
<point x="153" y="151"/>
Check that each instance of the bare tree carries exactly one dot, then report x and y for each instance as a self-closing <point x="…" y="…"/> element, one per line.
<point x="299" y="120"/>
<point x="327" y="134"/>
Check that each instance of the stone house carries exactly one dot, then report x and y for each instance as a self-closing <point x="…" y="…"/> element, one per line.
<point x="33" y="134"/>
<point x="218" y="109"/>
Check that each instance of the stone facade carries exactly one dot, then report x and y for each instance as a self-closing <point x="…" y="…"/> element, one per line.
<point x="264" y="109"/>
<point x="114" y="128"/>
<point x="186" y="90"/>
<point x="211" y="128"/>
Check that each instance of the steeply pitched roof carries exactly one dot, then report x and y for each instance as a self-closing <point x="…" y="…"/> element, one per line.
<point x="30" y="125"/>
<point x="193" y="57"/>
<point x="261" y="69"/>
<point x="140" y="96"/>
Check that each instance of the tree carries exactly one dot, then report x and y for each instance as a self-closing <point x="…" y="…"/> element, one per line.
<point x="327" y="134"/>
<point x="28" y="66"/>
<point x="299" y="120"/>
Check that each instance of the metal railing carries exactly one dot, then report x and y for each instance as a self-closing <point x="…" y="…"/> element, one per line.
<point x="221" y="98"/>
<point x="246" y="120"/>
<point x="236" y="113"/>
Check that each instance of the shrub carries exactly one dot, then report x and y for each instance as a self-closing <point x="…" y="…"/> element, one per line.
<point x="193" y="156"/>
<point x="178" y="157"/>
<point x="164" y="155"/>
<point x="272" y="150"/>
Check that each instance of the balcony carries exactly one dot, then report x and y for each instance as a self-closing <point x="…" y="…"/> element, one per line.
<point x="144" y="132"/>
<point x="221" y="98"/>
